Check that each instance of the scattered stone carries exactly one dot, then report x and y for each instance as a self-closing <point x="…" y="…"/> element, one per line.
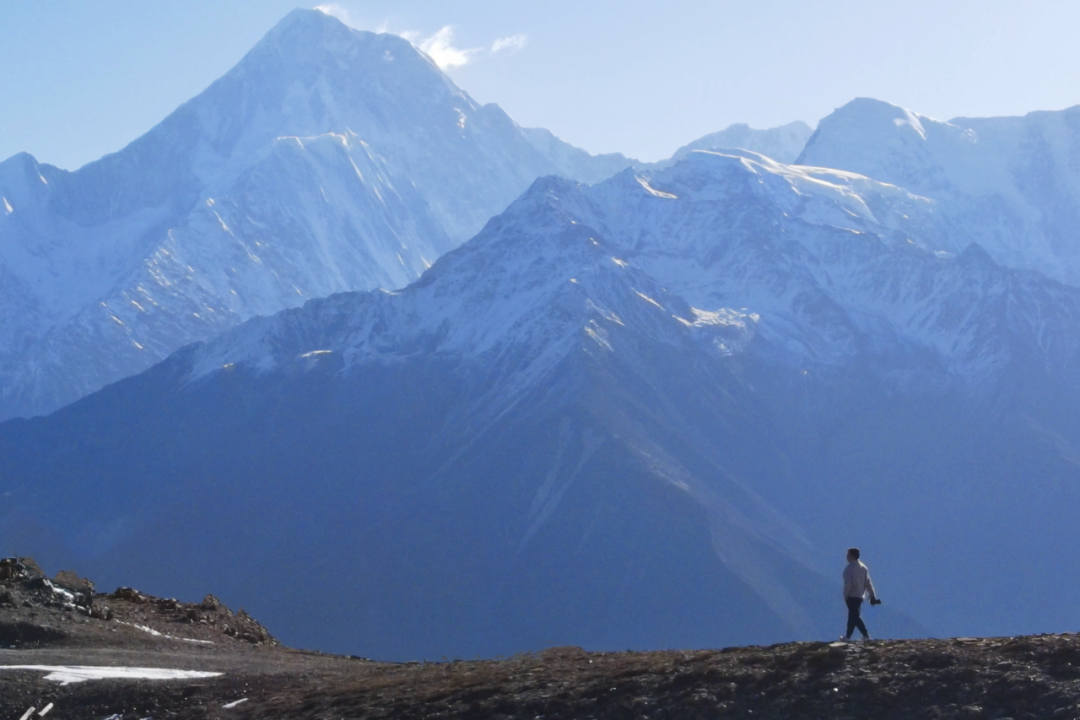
<point x="129" y="594"/>
<point x="70" y="580"/>
<point x="1025" y="678"/>
<point x="210" y="604"/>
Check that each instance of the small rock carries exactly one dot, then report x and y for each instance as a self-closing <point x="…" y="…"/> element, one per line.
<point x="70" y="580"/>
<point x="210" y="603"/>
<point x="130" y="594"/>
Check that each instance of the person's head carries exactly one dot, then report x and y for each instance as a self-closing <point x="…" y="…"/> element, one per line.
<point x="852" y="554"/>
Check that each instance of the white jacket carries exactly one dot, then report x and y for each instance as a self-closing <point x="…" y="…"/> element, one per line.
<point x="857" y="581"/>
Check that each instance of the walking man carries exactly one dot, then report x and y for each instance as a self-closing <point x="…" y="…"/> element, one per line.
<point x="856" y="585"/>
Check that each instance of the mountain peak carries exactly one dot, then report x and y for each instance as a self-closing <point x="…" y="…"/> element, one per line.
<point x="870" y="107"/>
<point x="310" y="41"/>
<point x="783" y="143"/>
<point x="308" y="76"/>
<point x="328" y="159"/>
<point x="865" y="123"/>
<point x="311" y="19"/>
<point x="305" y="29"/>
<point x="886" y="142"/>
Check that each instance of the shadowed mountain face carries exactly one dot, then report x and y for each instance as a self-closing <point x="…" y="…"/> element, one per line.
<point x="327" y="160"/>
<point x="647" y="413"/>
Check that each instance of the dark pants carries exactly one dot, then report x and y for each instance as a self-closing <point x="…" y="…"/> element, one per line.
<point x="853" y="618"/>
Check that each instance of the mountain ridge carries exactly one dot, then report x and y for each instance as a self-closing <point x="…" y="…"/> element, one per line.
<point x="1010" y="184"/>
<point x="642" y="403"/>
<point x="197" y="660"/>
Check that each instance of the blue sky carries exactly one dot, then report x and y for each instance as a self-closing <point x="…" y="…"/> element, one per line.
<point x="81" y="79"/>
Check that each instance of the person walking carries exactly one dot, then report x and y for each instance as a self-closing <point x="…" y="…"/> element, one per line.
<point x="856" y="585"/>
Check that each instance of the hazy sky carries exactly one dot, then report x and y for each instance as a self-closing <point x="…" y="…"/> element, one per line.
<point x="81" y="79"/>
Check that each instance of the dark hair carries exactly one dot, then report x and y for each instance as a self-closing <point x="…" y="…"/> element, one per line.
<point x="853" y="552"/>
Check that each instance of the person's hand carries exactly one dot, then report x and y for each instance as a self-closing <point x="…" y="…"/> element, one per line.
<point x="875" y="601"/>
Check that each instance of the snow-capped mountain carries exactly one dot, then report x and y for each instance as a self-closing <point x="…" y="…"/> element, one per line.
<point x="839" y="261"/>
<point x="783" y="144"/>
<point x="327" y="160"/>
<point x="647" y="413"/>
<point x="1010" y="184"/>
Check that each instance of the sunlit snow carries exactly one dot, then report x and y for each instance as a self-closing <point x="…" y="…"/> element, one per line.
<point x="68" y="674"/>
<point x="155" y="633"/>
<point x="648" y="299"/>
<point x="654" y="192"/>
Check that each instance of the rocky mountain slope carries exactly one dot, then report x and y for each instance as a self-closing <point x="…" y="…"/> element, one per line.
<point x="649" y="413"/>
<point x="327" y="160"/>
<point x="231" y="677"/>
<point x="1010" y="184"/>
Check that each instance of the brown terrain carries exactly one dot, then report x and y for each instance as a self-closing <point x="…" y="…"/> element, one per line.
<point x="64" y="622"/>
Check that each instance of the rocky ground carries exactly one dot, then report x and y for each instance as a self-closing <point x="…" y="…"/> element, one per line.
<point x="63" y="622"/>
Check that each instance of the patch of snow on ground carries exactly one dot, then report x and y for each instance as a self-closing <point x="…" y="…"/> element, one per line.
<point x="67" y="596"/>
<point x="67" y="674"/>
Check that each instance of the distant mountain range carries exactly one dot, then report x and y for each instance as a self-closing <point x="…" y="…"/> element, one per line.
<point x="1010" y="184"/>
<point x="648" y="413"/>
<point x="327" y="160"/>
<point x="477" y="391"/>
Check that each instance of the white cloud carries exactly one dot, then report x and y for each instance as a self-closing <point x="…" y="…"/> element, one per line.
<point x="440" y="47"/>
<point x="508" y="44"/>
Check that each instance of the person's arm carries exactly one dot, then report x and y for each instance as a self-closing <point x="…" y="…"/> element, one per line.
<point x="849" y="582"/>
<point x="870" y="586"/>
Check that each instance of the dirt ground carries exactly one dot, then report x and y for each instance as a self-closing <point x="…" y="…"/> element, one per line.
<point x="1023" y="677"/>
